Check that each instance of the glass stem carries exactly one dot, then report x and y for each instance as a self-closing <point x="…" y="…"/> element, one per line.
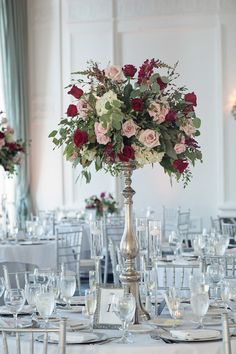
<point x="15" y="319"/>
<point x="97" y="267"/>
<point x="91" y="323"/>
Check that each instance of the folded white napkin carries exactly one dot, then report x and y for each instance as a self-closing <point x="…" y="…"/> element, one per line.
<point x="75" y="337"/>
<point x="194" y="334"/>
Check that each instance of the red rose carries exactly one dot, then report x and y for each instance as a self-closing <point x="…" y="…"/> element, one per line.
<point x="14" y="147"/>
<point x="80" y="138"/>
<point x="137" y="104"/>
<point x="76" y="92"/>
<point x="188" y="108"/>
<point x="2" y="135"/>
<point x="191" y="98"/>
<point x="72" y="110"/>
<point x="129" y="70"/>
<point x="180" y="165"/>
<point x="109" y="153"/>
<point x="102" y="195"/>
<point x="127" y="154"/>
<point x="170" y="117"/>
<point x="161" y="83"/>
<point x="192" y="143"/>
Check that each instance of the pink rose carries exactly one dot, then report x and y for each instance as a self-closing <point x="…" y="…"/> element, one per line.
<point x="179" y="148"/>
<point x="2" y="143"/>
<point x="149" y="138"/>
<point x="74" y="156"/>
<point x="9" y="130"/>
<point x="157" y="112"/>
<point x="102" y="138"/>
<point x="83" y="108"/>
<point x="129" y="128"/>
<point x="114" y="72"/>
<point x="99" y="129"/>
<point x="188" y="128"/>
<point x="17" y="159"/>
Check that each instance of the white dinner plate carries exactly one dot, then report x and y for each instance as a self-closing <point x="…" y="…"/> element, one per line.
<point x="140" y="328"/>
<point x="165" y="322"/>
<point x="191" y="335"/>
<point x="76" y="338"/>
<point x="73" y="309"/>
<point x="29" y="243"/>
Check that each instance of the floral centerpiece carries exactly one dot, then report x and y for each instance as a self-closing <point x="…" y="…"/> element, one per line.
<point x="117" y="117"/>
<point x="105" y="204"/>
<point x="11" y="150"/>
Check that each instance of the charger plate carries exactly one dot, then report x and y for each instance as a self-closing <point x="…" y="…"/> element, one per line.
<point x="213" y="335"/>
<point x="76" y="338"/>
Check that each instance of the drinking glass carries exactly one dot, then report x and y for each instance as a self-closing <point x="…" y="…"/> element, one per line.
<point x="96" y="244"/>
<point x="92" y="279"/>
<point x="2" y="286"/>
<point x="198" y="283"/>
<point x="31" y="290"/>
<point x="124" y="308"/>
<point x="225" y="293"/>
<point x="216" y="273"/>
<point x="199" y="304"/>
<point x="154" y="229"/>
<point x="173" y="297"/>
<point x="67" y="288"/>
<point x="175" y="243"/>
<point x="14" y="300"/>
<point x="90" y="304"/>
<point x="42" y="276"/>
<point x="45" y="302"/>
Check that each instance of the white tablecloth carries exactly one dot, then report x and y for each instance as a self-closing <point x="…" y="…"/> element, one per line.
<point x="43" y="255"/>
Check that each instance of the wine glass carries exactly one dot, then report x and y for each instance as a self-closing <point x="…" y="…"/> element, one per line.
<point x="14" y="300"/>
<point x="45" y="302"/>
<point x="67" y="288"/>
<point x="198" y="283"/>
<point x="31" y="290"/>
<point x="154" y="242"/>
<point x="90" y="304"/>
<point x="92" y="279"/>
<point x="2" y="286"/>
<point x="216" y="272"/>
<point x="124" y="307"/>
<point x="199" y="304"/>
<point x="174" y="243"/>
<point x="42" y="276"/>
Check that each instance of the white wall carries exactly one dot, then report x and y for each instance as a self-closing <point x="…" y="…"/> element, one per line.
<point x="200" y="34"/>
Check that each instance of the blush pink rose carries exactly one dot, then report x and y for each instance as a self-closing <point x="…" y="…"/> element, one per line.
<point x="2" y="143"/>
<point x="83" y="108"/>
<point x="114" y="72"/>
<point x="74" y="156"/>
<point x="102" y="139"/>
<point x="179" y="148"/>
<point x="99" y="129"/>
<point x="149" y="138"/>
<point x="17" y="159"/>
<point x="9" y="130"/>
<point x="129" y="128"/>
<point x="188" y="128"/>
<point x="157" y="112"/>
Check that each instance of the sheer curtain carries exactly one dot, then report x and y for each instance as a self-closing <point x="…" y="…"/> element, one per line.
<point x="14" y="52"/>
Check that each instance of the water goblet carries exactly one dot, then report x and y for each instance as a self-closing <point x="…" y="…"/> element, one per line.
<point x="67" y="288"/>
<point x="92" y="279"/>
<point x="31" y="291"/>
<point x="2" y="286"/>
<point x="42" y="276"/>
<point x="45" y="302"/>
<point x="96" y="244"/>
<point x="173" y="303"/>
<point x="124" y="308"/>
<point x="215" y="272"/>
<point x="154" y="239"/>
<point x="225" y="293"/>
<point x="14" y="300"/>
<point x="90" y="304"/>
<point x="199" y="304"/>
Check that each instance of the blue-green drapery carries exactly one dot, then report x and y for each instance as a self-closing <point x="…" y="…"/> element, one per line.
<point x="14" y="53"/>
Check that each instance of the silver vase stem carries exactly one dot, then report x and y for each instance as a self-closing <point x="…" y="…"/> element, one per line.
<point x="129" y="247"/>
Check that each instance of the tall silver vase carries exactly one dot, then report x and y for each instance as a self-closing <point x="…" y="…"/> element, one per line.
<point x="129" y="247"/>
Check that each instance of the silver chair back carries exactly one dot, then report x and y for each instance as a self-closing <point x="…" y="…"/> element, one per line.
<point x="7" y="333"/>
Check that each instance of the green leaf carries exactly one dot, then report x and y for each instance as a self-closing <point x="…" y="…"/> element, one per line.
<point x="55" y="141"/>
<point x="108" y="106"/>
<point x="196" y="122"/>
<point x="155" y="87"/>
<point x="98" y="163"/>
<point x="143" y="88"/>
<point x="164" y="79"/>
<point x="52" y="134"/>
<point x="170" y="150"/>
<point x="197" y="133"/>
<point x="116" y="104"/>
<point x="154" y="77"/>
<point x="127" y="91"/>
<point x="87" y="175"/>
<point x="135" y="93"/>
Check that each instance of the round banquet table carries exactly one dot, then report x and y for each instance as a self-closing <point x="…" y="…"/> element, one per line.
<point x="41" y="253"/>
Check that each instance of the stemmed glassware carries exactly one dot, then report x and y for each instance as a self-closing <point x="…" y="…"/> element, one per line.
<point x="14" y="300"/>
<point x="96" y="244"/>
<point x="43" y="276"/>
<point x="199" y="303"/>
<point x="154" y="230"/>
<point x="31" y="291"/>
<point x="90" y="304"/>
<point x="225" y="293"/>
<point x="67" y="288"/>
<point x="143" y="240"/>
<point x="215" y="272"/>
<point x="45" y="302"/>
<point x="124" y="308"/>
<point x="2" y="286"/>
<point x="175" y="243"/>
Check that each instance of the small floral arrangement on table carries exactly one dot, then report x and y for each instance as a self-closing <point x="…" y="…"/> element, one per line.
<point x="117" y="117"/>
<point x="11" y="150"/>
<point x="105" y="204"/>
